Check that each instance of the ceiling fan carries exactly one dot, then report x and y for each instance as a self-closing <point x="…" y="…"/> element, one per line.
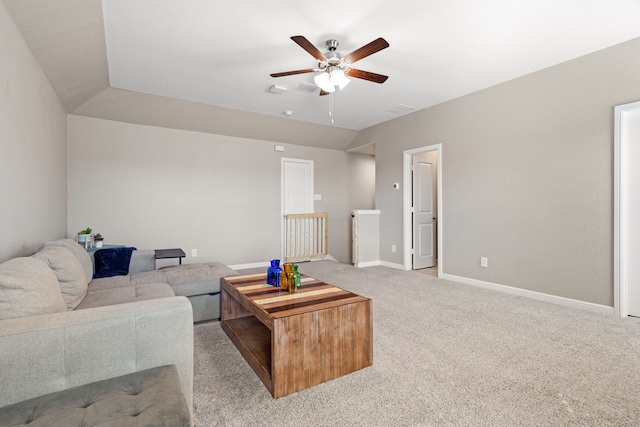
<point x="334" y="67"/>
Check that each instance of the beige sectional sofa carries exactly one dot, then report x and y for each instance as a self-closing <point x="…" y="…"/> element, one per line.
<point x="60" y="328"/>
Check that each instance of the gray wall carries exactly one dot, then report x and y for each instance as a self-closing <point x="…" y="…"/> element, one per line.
<point x="527" y="176"/>
<point x="33" y="165"/>
<point x="154" y="187"/>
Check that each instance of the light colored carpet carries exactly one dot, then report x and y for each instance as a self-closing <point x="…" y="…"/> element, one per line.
<point x="444" y="354"/>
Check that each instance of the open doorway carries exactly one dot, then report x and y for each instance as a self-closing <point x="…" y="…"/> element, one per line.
<point x="297" y="186"/>
<point x="626" y="210"/>
<point x="422" y="229"/>
<point x="422" y="207"/>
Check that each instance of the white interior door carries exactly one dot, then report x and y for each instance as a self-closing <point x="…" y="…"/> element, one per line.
<point x="297" y="186"/>
<point x="297" y="192"/>
<point x="633" y="217"/>
<point x="424" y="209"/>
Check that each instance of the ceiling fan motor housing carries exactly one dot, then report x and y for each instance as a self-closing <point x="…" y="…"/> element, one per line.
<point x="334" y="59"/>
<point x="332" y="44"/>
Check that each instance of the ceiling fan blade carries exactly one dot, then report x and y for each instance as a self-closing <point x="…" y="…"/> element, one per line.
<point x="367" y="75"/>
<point x="291" y="73"/>
<point x="366" y="50"/>
<point x="309" y="47"/>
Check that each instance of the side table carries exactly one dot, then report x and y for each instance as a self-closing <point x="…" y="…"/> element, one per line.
<point x="93" y="249"/>
<point x="170" y="253"/>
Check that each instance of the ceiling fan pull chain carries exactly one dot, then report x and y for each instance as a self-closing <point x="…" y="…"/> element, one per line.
<point x="331" y="111"/>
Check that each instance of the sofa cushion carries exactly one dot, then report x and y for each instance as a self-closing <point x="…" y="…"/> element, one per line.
<point x="67" y="268"/>
<point x="78" y="251"/>
<point x="122" y="295"/>
<point x="154" y="276"/>
<point x="110" y="283"/>
<point x="142" y="260"/>
<point x="28" y="287"/>
<point x="151" y="397"/>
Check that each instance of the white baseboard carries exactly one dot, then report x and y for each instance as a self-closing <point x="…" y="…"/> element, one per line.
<point x="366" y="264"/>
<point x="251" y="265"/>
<point x="392" y="265"/>
<point x="568" y="302"/>
<point x="267" y="263"/>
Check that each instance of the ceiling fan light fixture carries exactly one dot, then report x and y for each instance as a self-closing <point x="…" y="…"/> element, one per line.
<point x="322" y="80"/>
<point x="338" y="78"/>
<point x="330" y="78"/>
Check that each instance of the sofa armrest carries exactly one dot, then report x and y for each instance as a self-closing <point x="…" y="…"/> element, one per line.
<point x="53" y="352"/>
<point x="142" y="260"/>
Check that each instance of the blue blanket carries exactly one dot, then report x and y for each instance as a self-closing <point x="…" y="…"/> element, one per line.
<point x="112" y="262"/>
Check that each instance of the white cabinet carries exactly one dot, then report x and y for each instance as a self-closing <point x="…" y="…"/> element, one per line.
<point x="366" y="238"/>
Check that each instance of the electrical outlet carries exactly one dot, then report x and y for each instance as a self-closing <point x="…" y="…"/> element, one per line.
<point x="393" y="248"/>
<point x="194" y="253"/>
<point x="484" y="262"/>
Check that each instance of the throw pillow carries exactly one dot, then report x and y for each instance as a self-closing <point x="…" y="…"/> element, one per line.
<point x="69" y="272"/>
<point x="80" y="253"/>
<point x="28" y="287"/>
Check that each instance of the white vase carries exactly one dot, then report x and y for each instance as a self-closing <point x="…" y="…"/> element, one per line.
<point x="98" y="243"/>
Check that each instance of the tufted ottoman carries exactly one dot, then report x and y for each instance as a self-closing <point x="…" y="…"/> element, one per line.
<point x="144" y="398"/>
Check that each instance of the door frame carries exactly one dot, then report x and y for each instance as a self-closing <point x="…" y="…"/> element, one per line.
<point x="283" y="161"/>
<point x="620" y="209"/>
<point x="406" y="205"/>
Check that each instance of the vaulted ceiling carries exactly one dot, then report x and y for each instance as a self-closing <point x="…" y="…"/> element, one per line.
<point x="205" y="65"/>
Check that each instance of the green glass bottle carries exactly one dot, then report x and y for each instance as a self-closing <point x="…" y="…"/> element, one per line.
<point x="295" y="271"/>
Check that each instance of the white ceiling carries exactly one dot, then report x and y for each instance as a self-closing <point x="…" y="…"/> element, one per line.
<point x="222" y="52"/>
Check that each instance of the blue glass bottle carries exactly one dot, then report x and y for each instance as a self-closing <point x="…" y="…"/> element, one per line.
<point x="274" y="272"/>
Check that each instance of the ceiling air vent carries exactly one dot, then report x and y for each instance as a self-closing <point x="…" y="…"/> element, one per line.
<point x="401" y="109"/>
<point x="278" y="89"/>
<point x="307" y="87"/>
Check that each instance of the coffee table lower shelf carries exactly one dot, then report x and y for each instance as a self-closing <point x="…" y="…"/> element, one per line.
<point x="253" y="340"/>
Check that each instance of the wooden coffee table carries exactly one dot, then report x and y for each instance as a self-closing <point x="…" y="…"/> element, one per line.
<point x="296" y="340"/>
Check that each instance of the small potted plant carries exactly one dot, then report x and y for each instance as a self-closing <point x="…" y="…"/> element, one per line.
<point x="84" y="236"/>
<point x="99" y="239"/>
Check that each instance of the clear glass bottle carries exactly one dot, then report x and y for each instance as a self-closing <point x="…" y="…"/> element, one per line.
<point x="278" y="278"/>
<point x="291" y="282"/>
